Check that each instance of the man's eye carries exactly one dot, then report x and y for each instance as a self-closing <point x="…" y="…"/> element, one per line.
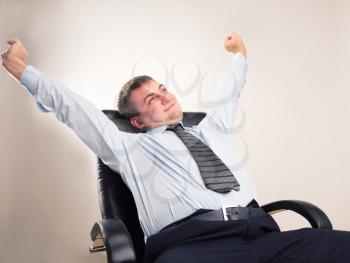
<point x="150" y="100"/>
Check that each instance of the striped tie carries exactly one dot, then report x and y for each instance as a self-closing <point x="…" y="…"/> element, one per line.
<point x="216" y="175"/>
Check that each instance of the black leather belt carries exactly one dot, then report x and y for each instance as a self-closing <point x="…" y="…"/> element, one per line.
<point x="226" y="213"/>
<point x="230" y="213"/>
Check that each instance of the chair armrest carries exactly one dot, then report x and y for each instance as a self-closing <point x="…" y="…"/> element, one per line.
<point x="316" y="217"/>
<point x="112" y="235"/>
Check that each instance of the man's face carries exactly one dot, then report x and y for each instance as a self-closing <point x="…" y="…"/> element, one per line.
<point x="157" y="106"/>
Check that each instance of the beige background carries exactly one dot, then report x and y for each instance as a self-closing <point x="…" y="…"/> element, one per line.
<point x="295" y="104"/>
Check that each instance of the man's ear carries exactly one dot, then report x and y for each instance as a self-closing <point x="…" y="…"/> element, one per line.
<point x="137" y="123"/>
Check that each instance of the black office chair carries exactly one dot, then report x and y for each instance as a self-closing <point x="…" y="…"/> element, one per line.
<point x="119" y="232"/>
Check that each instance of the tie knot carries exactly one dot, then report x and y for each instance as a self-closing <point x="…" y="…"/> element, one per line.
<point x="173" y="127"/>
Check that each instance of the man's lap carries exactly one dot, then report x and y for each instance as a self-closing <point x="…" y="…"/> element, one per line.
<point x="209" y="241"/>
<point x="210" y="251"/>
<point x="302" y="245"/>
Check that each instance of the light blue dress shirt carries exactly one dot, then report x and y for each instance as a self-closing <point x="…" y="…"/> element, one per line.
<point x="156" y="166"/>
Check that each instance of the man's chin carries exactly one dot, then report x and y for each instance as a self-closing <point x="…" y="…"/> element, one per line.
<point x="177" y="117"/>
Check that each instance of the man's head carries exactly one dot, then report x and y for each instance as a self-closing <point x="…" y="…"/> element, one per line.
<point x="148" y="104"/>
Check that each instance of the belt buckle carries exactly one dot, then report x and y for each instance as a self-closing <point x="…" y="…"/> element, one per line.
<point x="224" y="213"/>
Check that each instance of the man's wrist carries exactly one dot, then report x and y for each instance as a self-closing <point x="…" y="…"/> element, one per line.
<point x="236" y="49"/>
<point x="15" y="66"/>
<point x="242" y="50"/>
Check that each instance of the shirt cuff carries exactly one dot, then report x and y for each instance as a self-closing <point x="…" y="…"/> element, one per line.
<point x="29" y="79"/>
<point x="238" y="58"/>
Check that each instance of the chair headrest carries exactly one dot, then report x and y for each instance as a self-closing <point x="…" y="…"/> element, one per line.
<point x="189" y="119"/>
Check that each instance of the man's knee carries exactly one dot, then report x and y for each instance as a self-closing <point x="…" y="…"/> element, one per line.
<point x="328" y="245"/>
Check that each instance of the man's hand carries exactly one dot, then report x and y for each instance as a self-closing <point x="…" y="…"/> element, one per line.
<point x="233" y="43"/>
<point x="14" y="59"/>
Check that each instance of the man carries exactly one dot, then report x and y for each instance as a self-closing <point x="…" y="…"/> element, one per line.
<point x="176" y="192"/>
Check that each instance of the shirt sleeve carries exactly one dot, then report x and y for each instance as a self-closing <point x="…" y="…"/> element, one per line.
<point x="93" y="127"/>
<point x="222" y="110"/>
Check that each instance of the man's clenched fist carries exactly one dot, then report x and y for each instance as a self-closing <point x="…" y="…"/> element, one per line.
<point x="14" y="59"/>
<point x="234" y="43"/>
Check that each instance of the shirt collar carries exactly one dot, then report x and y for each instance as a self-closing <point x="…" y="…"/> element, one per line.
<point x="161" y="129"/>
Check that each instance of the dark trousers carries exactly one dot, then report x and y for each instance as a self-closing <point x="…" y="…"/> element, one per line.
<point x="255" y="240"/>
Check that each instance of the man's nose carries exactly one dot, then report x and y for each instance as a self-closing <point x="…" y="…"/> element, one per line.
<point x="164" y="98"/>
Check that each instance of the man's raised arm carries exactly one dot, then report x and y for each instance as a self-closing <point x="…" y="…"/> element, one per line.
<point x="90" y="124"/>
<point x="221" y="111"/>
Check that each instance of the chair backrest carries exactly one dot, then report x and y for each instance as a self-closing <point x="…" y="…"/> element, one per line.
<point x="115" y="198"/>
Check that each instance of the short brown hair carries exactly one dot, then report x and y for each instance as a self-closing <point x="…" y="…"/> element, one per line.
<point x="125" y="107"/>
